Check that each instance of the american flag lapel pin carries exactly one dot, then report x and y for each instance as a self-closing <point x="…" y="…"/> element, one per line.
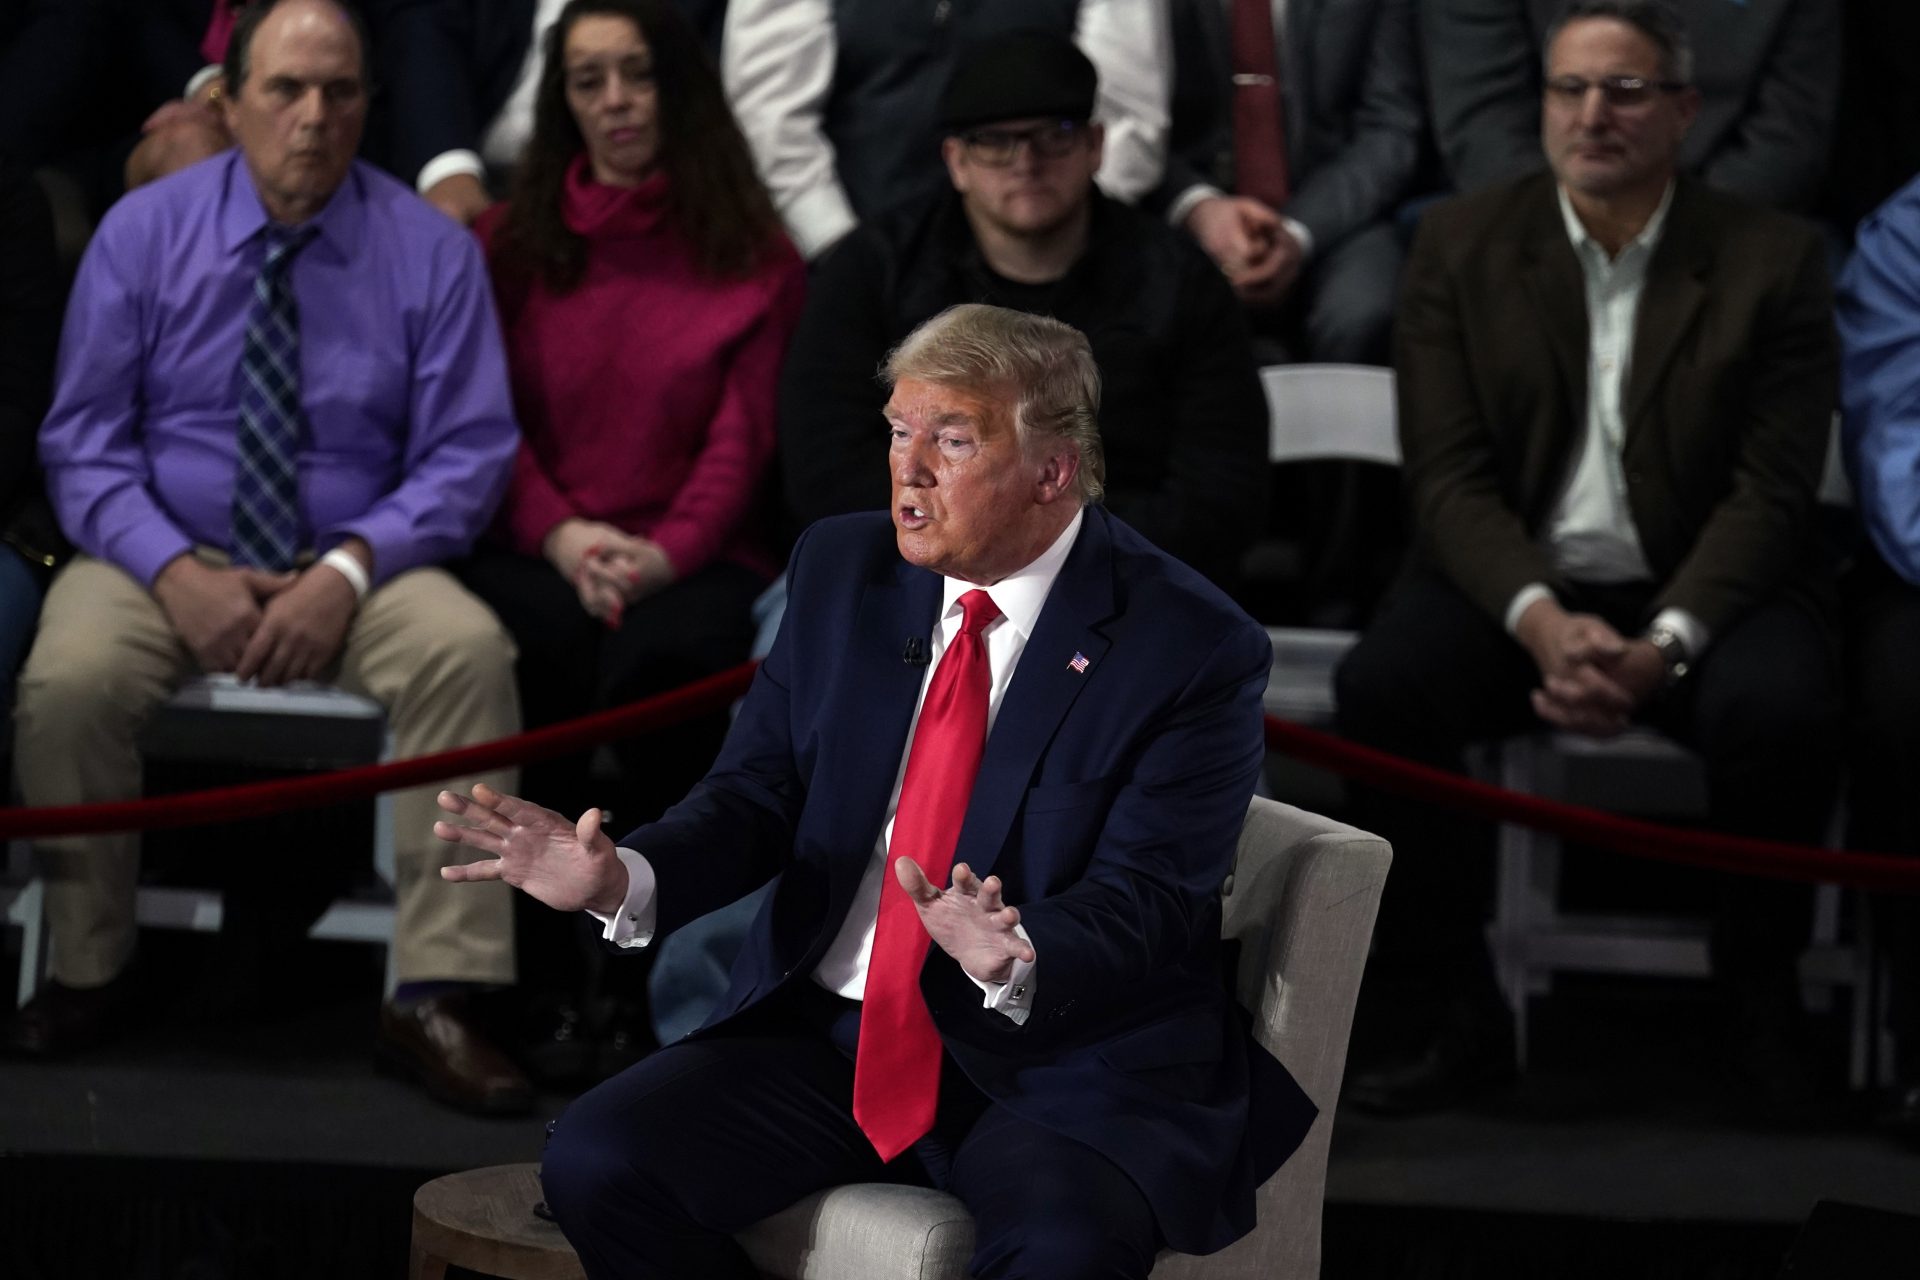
<point x="1078" y="662"/>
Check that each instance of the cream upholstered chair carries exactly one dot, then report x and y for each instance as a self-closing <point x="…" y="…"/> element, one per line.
<point x="1301" y="900"/>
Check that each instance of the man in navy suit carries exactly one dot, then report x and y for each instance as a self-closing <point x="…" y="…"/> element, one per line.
<point x="1091" y="1094"/>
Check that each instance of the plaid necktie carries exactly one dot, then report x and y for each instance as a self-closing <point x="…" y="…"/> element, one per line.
<point x="896" y="1065"/>
<point x="266" y="488"/>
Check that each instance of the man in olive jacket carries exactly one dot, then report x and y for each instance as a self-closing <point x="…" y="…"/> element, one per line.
<point x="1616" y="386"/>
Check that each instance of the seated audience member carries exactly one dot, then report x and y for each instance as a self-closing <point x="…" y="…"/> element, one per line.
<point x="647" y="295"/>
<point x="29" y="325"/>
<point x="1767" y="72"/>
<point x="179" y="47"/>
<point x="840" y="101"/>
<point x="275" y="354"/>
<point x="462" y="79"/>
<point x="1616" y="385"/>
<point x="1052" y="1043"/>
<point x="1185" y="423"/>
<point x="1305" y="139"/>
<point x="1879" y="317"/>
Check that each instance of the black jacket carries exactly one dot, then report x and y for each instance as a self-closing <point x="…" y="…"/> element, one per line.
<point x="1182" y="415"/>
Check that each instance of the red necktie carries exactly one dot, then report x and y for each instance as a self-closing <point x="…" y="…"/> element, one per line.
<point x="1259" y="111"/>
<point x="213" y="45"/>
<point x="896" y="1070"/>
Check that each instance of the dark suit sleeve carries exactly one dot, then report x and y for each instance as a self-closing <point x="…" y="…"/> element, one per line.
<point x="29" y="329"/>
<point x="1210" y="502"/>
<point x="1776" y="153"/>
<point x="1483" y="89"/>
<point x="833" y="444"/>
<point x="423" y="61"/>
<point x="1757" y="534"/>
<point x="1461" y="517"/>
<point x="1151" y="889"/>
<point x="1371" y="173"/>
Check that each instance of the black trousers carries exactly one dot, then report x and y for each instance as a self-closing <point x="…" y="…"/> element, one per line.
<point x="1883" y="715"/>
<point x="652" y="1172"/>
<point x="1434" y="673"/>
<point x="571" y="664"/>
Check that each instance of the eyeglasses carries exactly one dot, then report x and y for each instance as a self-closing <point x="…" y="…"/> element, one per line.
<point x="1625" y="92"/>
<point x="997" y="147"/>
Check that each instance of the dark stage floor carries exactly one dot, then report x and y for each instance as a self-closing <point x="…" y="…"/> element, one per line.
<point x="275" y="1149"/>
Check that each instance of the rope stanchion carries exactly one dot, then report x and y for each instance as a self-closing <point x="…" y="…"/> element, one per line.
<point x="1630" y="836"/>
<point x="226" y="804"/>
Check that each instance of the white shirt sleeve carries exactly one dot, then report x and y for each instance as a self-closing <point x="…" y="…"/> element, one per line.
<point x="1014" y="997"/>
<point x="633" y="924"/>
<point x="1130" y="43"/>
<point x="776" y="61"/>
<point x="1522" y="601"/>
<point x="449" y="164"/>
<point x="1693" y="633"/>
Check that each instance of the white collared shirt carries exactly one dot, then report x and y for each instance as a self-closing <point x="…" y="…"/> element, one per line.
<point x="1590" y="534"/>
<point x="843" y="969"/>
<point x="507" y="133"/>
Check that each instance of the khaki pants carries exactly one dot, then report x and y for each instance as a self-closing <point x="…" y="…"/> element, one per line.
<point x="106" y="658"/>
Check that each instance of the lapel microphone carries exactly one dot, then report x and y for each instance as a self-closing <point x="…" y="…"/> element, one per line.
<point x="915" y="654"/>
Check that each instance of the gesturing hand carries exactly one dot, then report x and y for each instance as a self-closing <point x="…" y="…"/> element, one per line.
<point x="968" y="921"/>
<point x="570" y="866"/>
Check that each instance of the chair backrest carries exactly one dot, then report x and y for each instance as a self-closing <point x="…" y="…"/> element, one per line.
<point x="1317" y="411"/>
<point x="1301" y="901"/>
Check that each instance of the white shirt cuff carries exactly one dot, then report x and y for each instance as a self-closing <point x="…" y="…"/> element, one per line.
<point x="1693" y="633"/>
<point x="199" y="79"/>
<point x="1522" y="601"/>
<point x="632" y="925"/>
<point x="1187" y="201"/>
<point x="1014" y="997"/>
<point x="1298" y="230"/>
<point x="818" y="217"/>
<point x="449" y="164"/>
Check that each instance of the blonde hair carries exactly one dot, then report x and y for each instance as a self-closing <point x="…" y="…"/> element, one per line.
<point x="1047" y="364"/>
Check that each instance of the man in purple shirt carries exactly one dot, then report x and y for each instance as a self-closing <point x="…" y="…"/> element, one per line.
<point x="276" y="355"/>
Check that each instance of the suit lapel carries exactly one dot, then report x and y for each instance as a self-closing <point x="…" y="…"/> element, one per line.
<point x="1675" y="289"/>
<point x="1043" y="689"/>
<point x="1550" y="274"/>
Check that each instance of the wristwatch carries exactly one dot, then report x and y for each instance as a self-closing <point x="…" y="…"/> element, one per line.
<point x="1673" y="652"/>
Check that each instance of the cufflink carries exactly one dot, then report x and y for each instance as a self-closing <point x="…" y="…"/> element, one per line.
<point x="1019" y="991"/>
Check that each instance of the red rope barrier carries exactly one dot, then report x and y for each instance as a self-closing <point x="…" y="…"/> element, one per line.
<point x="1593" y="827"/>
<point x="225" y="804"/>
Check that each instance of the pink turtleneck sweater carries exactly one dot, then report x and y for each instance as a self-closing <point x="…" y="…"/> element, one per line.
<point x="646" y="394"/>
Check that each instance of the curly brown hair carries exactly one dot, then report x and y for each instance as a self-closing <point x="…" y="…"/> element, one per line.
<point x="718" y="203"/>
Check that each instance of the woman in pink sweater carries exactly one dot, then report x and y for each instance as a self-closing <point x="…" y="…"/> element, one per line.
<point x="647" y="294"/>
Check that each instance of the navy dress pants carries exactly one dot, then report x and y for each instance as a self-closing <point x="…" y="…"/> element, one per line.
<point x="651" y="1173"/>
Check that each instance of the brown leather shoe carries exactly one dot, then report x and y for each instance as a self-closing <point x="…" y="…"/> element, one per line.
<point x="62" y="1020"/>
<point x="436" y="1043"/>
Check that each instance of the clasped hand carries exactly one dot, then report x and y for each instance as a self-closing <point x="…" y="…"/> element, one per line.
<point x="968" y="920"/>
<point x="608" y="567"/>
<point x="1592" y="679"/>
<point x="265" y="627"/>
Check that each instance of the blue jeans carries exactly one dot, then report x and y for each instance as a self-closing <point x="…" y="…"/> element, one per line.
<point x="21" y="590"/>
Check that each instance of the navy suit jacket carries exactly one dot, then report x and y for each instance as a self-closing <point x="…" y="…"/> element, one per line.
<point x="1109" y="802"/>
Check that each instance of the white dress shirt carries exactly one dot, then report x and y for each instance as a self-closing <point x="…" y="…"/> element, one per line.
<point x="776" y="60"/>
<point x="511" y="126"/>
<point x="843" y="969"/>
<point x="1589" y="534"/>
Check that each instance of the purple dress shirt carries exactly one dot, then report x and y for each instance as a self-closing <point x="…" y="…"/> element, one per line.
<point x="409" y="438"/>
